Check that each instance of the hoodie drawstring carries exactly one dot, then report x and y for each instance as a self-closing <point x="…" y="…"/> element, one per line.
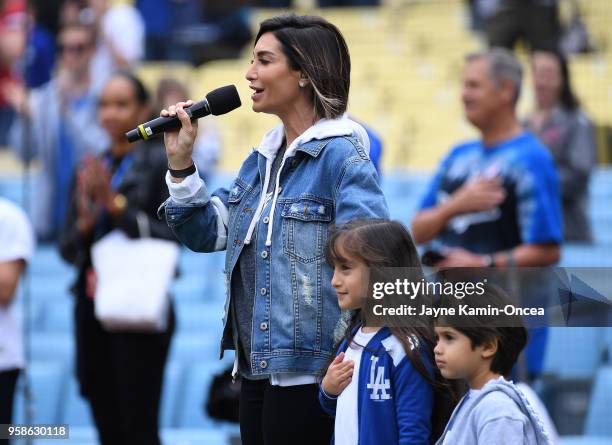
<point x="273" y="208"/>
<point x="260" y="206"/>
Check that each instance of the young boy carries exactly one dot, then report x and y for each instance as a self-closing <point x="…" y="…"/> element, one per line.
<point x="482" y="350"/>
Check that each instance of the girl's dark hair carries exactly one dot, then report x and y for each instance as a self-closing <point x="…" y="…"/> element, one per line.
<point x="315" y="47"/>
<point x="383" y="244"/>
<point x="140" y="91"/>
<point x="507" y="330"/>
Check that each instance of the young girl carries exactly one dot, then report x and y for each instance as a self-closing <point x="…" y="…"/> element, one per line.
<point x="382" y="386"/>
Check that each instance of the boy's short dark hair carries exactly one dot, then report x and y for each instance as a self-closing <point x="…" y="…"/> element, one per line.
<point x="508" y="330"/>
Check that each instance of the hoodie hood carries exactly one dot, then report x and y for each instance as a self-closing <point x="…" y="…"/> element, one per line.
<point x="270" y="144"/>
<point x="509" y="389"/>
<point x="322" y="129"/>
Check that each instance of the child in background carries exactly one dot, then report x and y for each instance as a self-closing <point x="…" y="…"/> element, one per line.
<point x="482" y="350"/>
<point x="382" y="386"/>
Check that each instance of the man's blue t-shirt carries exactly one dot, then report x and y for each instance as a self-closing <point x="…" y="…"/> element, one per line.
<point x="531" y="212"/>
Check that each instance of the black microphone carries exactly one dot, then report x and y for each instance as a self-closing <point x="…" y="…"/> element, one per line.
<point x="217" y="102"/>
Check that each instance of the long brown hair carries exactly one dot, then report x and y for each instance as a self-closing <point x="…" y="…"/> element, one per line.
<point x="382" y="243"/>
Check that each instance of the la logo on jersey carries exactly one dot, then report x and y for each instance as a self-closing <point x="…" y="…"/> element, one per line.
<point x="378" y="384"/>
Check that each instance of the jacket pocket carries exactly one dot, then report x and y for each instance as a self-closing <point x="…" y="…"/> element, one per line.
<point x="305" y="227"/>
<point x="237" y="192"/>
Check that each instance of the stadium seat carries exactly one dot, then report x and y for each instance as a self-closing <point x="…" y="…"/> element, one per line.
<point x="598" y="419"/>
<point x="189" y="347"/>
<point x="76" y="411"/>
<point x="573" y="352"/>
<point x="52" y="346"/>
<point x="199" y="378"/>
<point x="47" y="388"/>
<point x="173" y="391"/>
<point x="200" y="317"/>
<point x="59" y="316"/>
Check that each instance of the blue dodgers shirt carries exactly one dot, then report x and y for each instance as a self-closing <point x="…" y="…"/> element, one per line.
<point x="531" y="212"/>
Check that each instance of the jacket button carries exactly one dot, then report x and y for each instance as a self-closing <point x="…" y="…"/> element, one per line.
<point x="266" y="220"/>
<point x="264" y="327"/>
<point x="264" y="254"/>
<point x="280" y="189"/>
<point x="264" y="291"/>
<point x="263" y="364"/>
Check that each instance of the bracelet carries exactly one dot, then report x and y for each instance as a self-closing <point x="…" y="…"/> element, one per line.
<point x="183" y="173"/>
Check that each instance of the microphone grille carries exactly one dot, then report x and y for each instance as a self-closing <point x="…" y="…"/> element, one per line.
<point x="223" y="100"/>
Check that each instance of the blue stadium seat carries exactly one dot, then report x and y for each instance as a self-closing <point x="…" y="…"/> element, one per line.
<point x="195" y="437"/>
<point x="188" y="347"/>
<point x="608" y="344"/>
<point x="199" y="377"/>
<point x="52" y="346"/>
<point x="47" y="262"/>
<point x="173" y="391"/>
<point x="76" y="411"/>
<point x="579" y="255"/>
<point x="584" y="440"/>
<point x="598" y="419"/>
<point x="51" y="287"/>
<point x="59" y="316"/>
<point x="47" y="386"/>
<point x="200" y="317"/>
<point x="573" y="352"/>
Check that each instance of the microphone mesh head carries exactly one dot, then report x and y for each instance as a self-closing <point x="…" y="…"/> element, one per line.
<point x="223" y="100"/>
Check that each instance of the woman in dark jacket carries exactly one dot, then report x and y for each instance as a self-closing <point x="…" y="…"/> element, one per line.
<point x="120" y="373"/>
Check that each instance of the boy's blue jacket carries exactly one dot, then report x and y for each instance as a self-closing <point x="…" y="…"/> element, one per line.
<point x="395" y="401"/>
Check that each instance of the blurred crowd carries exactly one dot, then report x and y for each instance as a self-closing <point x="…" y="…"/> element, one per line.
<point x="63" y="104"/>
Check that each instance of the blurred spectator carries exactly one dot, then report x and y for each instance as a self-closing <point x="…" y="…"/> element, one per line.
<point x="221" y="33"/>
<point x="156" y="15"/>
<point x="40" y="49"/>
<point x="120" y="373"/>
<point x="17" y="241"/>
<point x="73" y="11"/>
<point x="535" y="21"/>
<point x="335" y="3"/>
<point x="569" y="134"/>
<point x="208" y="142"/>
<point x="57" y="124"/>
<point x="12" y="45"/>
<point x="495" y="202"/>
<point x="48" y="14"/>
<point x="162" y="19"/>
<point x="121" y="37"/>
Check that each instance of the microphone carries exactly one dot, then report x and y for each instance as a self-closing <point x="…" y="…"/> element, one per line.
<point x="217" y="102"/>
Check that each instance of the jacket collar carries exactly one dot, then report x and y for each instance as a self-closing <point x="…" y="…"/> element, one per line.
<point x="314" y="139"/>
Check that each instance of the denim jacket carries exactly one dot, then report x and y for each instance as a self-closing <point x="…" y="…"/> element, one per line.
<point x="325" y="179"/>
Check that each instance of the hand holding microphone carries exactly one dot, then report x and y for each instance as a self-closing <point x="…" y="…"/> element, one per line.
<point x="179" y="124"/>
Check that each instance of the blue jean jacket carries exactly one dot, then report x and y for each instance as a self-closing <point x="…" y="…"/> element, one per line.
<point x="323" y="183"/>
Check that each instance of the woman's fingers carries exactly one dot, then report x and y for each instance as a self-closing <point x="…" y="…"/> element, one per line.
<point x="184" y="118"/>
